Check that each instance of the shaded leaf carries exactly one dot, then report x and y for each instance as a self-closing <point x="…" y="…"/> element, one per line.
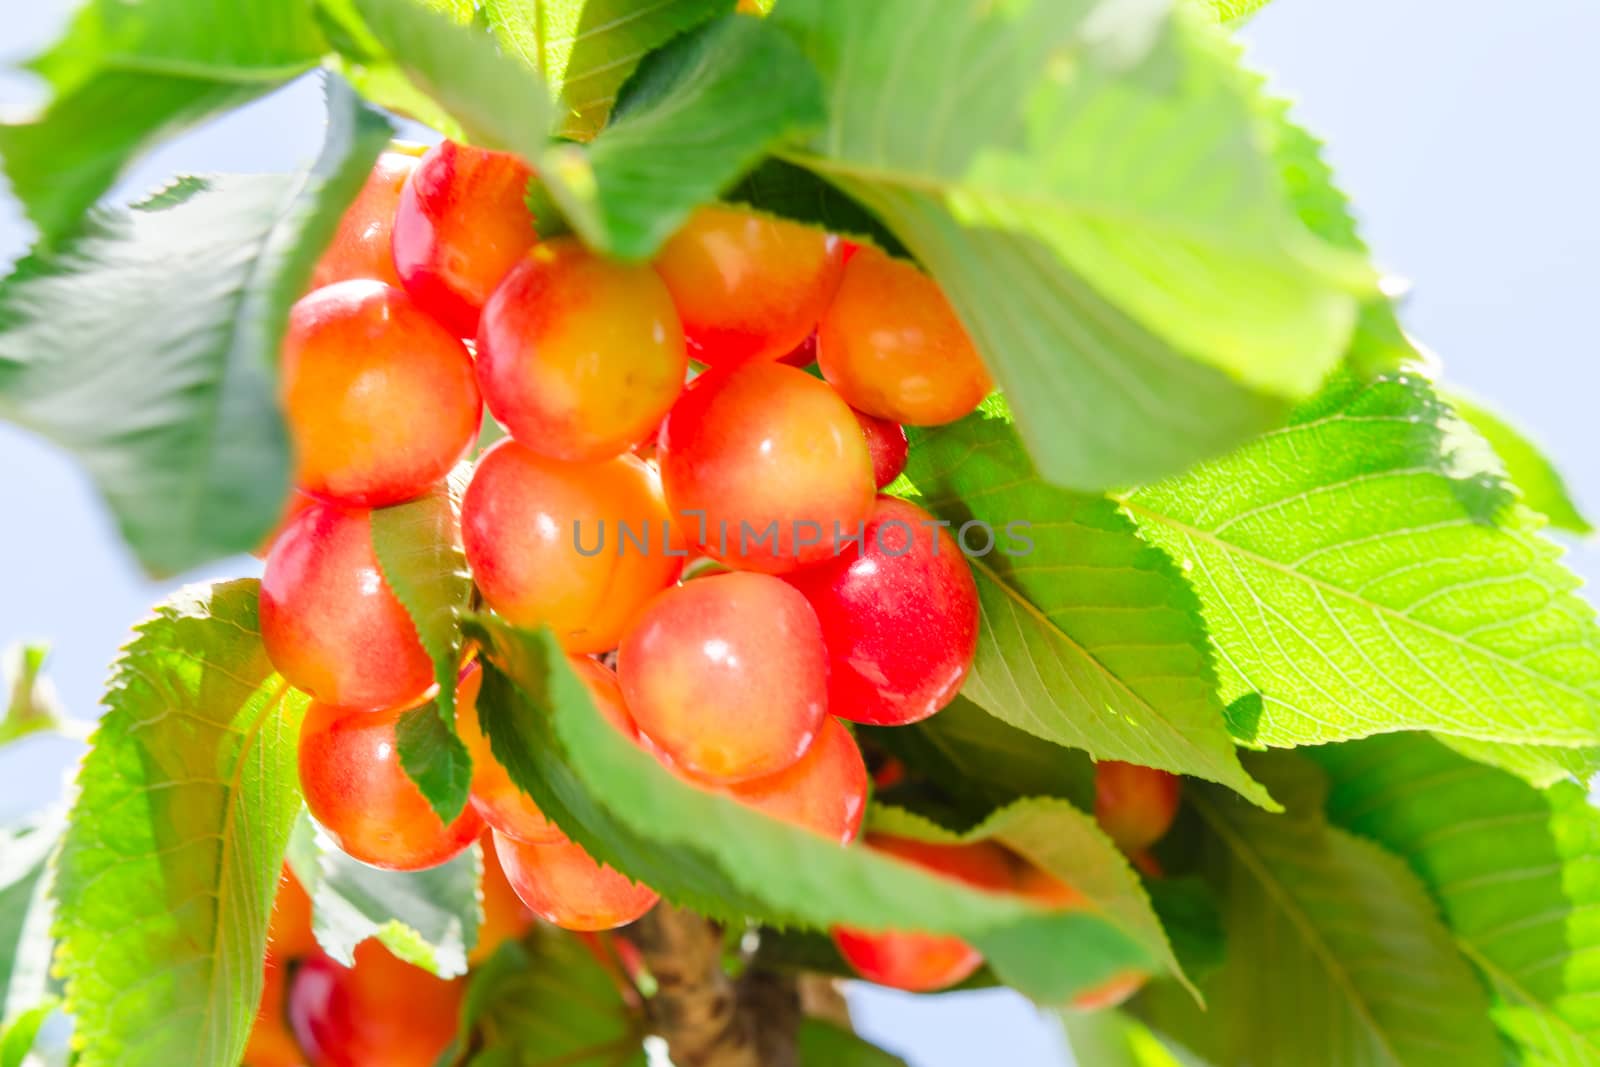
<point x="1543" y="489"/>
<point x="792" y="192"/>
<point x="822" y="1044"/>
<point x="25" y="912"/>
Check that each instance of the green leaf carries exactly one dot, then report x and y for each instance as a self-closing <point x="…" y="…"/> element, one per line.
<point x="16" y="1040"/>
<point x="418" y="545"/>
<point x="25" y="913"/>
<point x="428" y="918"/>
<point x="1090" y="637"/>
<point x="792" y="192"/>
<point x="1112" y="1039"/>
<point x="1335" y="954"/>
<point x="175" y="414"/>
<point x="822" y="1044"/>
<point x="1233" y="10"/>
<point x="32" y="705"/>
<point x="1515" y="870"/>
<point x="128" y="76"/>
<point x="1541" y="765"/>
<point x="691" y="122"/>
<point x="710" y="853"/>
<point x="588" y="48"/>
<point x="170" y="864"/>
<point x="1543" y="488"/>
<point x="1098" y="200"/>
<point x="1367" y="570"/>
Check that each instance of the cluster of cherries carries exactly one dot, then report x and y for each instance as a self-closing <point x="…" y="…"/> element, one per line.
<point x="715" y="529"/>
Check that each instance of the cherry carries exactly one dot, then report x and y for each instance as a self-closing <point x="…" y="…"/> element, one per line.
<point x="893" y="347"/>
<point x="293" y="505"/>
<point x="289" y="933"/>
<point x="826" y="791"/>
<point x="462" y="223"/>
<point x="356" y="789"/>
<point x="726" y="676"/>
<point x="505" y="917"/>
<point x="886" y="441"/>
<point x="361" y="245"/>
<point x="329" y="620"/>
<point x="1134" y="805"/>
<point x="381" y="401"/>
<point x="899" y="615"/>
<point x="580" y="356"/>
<point x="765" y="451"/>
<point x="271" y="1044"/>
<point x="547" y="545"/>
<point x="381" y="1011"/>
<point x="1110" y="993"/>
<point x="748" y="286"/>
<point x="562" y="884"/>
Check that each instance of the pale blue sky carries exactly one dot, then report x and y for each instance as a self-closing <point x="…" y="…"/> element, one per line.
<point x="1463" y="132"/>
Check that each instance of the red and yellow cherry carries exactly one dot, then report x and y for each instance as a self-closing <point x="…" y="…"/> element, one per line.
<point x="461" y="225"/>
<point x="765" y="449"/>
<point x="293" y="505"/>
<point x="271" y="1044"/>
<point x="505" y="917"/>
<point x="330" y="622"/>
<point x="289" y="933"/>
<point x="577" y="547"/>
<point x="361" y="245"/>
<point x="886" y="441"/>
<point x="825" y="792"/>
<point x="899" y="615"/>
<point x="580" y="356"/>
<point x="381" y="1011"/>
<point x="892" y="345"/>
<point x="1110" y="993"/>
<point x="381" y="401"/>
<point x="748" y="286"/>
<point x="356" y="789"/>
<point x="1134" y="805"/>
<point x="562" y="884"/>
<point x="726" y="676"/>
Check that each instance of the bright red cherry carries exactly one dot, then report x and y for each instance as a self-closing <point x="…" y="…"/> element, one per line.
<point x="562" y="884"/>
<point x="748" y="286"/>
<point x="900" y="617"/>
<point x="461" y="225"/>
<point x="361" y="245"/>
<point x="726" y="675"/>
<point x="1134" y="805"/>
<point x="825" y="792"/>
<point x="329" y="620"/>
<point x="764" y="465"/>
<point x="381" y="401"/>
<point x="887" y="442"/>
<point x="381" y="1011"/>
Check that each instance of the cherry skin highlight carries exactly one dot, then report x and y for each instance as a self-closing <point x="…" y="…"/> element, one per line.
<point x="356" y="789"/>
<point x="381" y="401"/>
<point x="361" y="245"/>
<point x="1134" y="805"/>
<point x="330" y="622"/>
<point x="747" y="286"/>
<point x="580" y="356"/>
<point x="381" y="1011"/>
<point x="765" y="449"/>
<point x="547" y="545"/>
<point x="893" y="347"/>
<point x="825" y="792"/>
<point x="461" y="225"/>
<point x="886" y="441"/>
<point x="899" y="615"/>
<point x="562" y="884"/>
<point x="726" y="676"/>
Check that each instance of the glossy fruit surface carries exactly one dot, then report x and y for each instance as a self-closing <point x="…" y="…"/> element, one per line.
<point x="546" y="542"/>
<point x="329" y="620"/>
<point x="886" y="441"/>
<point x="561" y="884"/>
<point x="361" y="245"/>
<point x="899" y="615"/>
<point x="726" y="676"/>
<point x="747" y="286"/>
<point x="765" y="450"/>
<point x="382" y="1011"/>
<point x="893" y="347"/>
<point x="381" y="400"/>
<point x="461" y="225"/>
<point x="356" y="789"/>
<point x="580" y="356"/>
<point x="505" y="917"/>
<point x="1134" y="805"/>
<point x="271" y="1043"/>
<point x="825" y="792"/>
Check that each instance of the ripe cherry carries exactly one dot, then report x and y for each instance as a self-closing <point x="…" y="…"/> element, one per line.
<point x="726" y="676"/>
<point x="893" y="347"/>
<point x="329" y="620"/>
<point x="886" y="441"/>
<point x="562" y="884"/>
<point x="1134" y="805"/>
<point x="289" y="933"/>
<point x="356" y="789"/>
<point x="899" y="615"/>
<point x="461" y="225"/>
<point x="747" y="286"/>
<point x="271" y="1044"/>
<point x="765" y="466"/>
<point x="825" y="792"/>
<point x="577" y="547"/>
<point x="580" y="356"/>
<point x="505" y="917"/>
<point x="361" y="245"/>
<point x="381" y="401"/>
<point x="381" y="1011"/>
